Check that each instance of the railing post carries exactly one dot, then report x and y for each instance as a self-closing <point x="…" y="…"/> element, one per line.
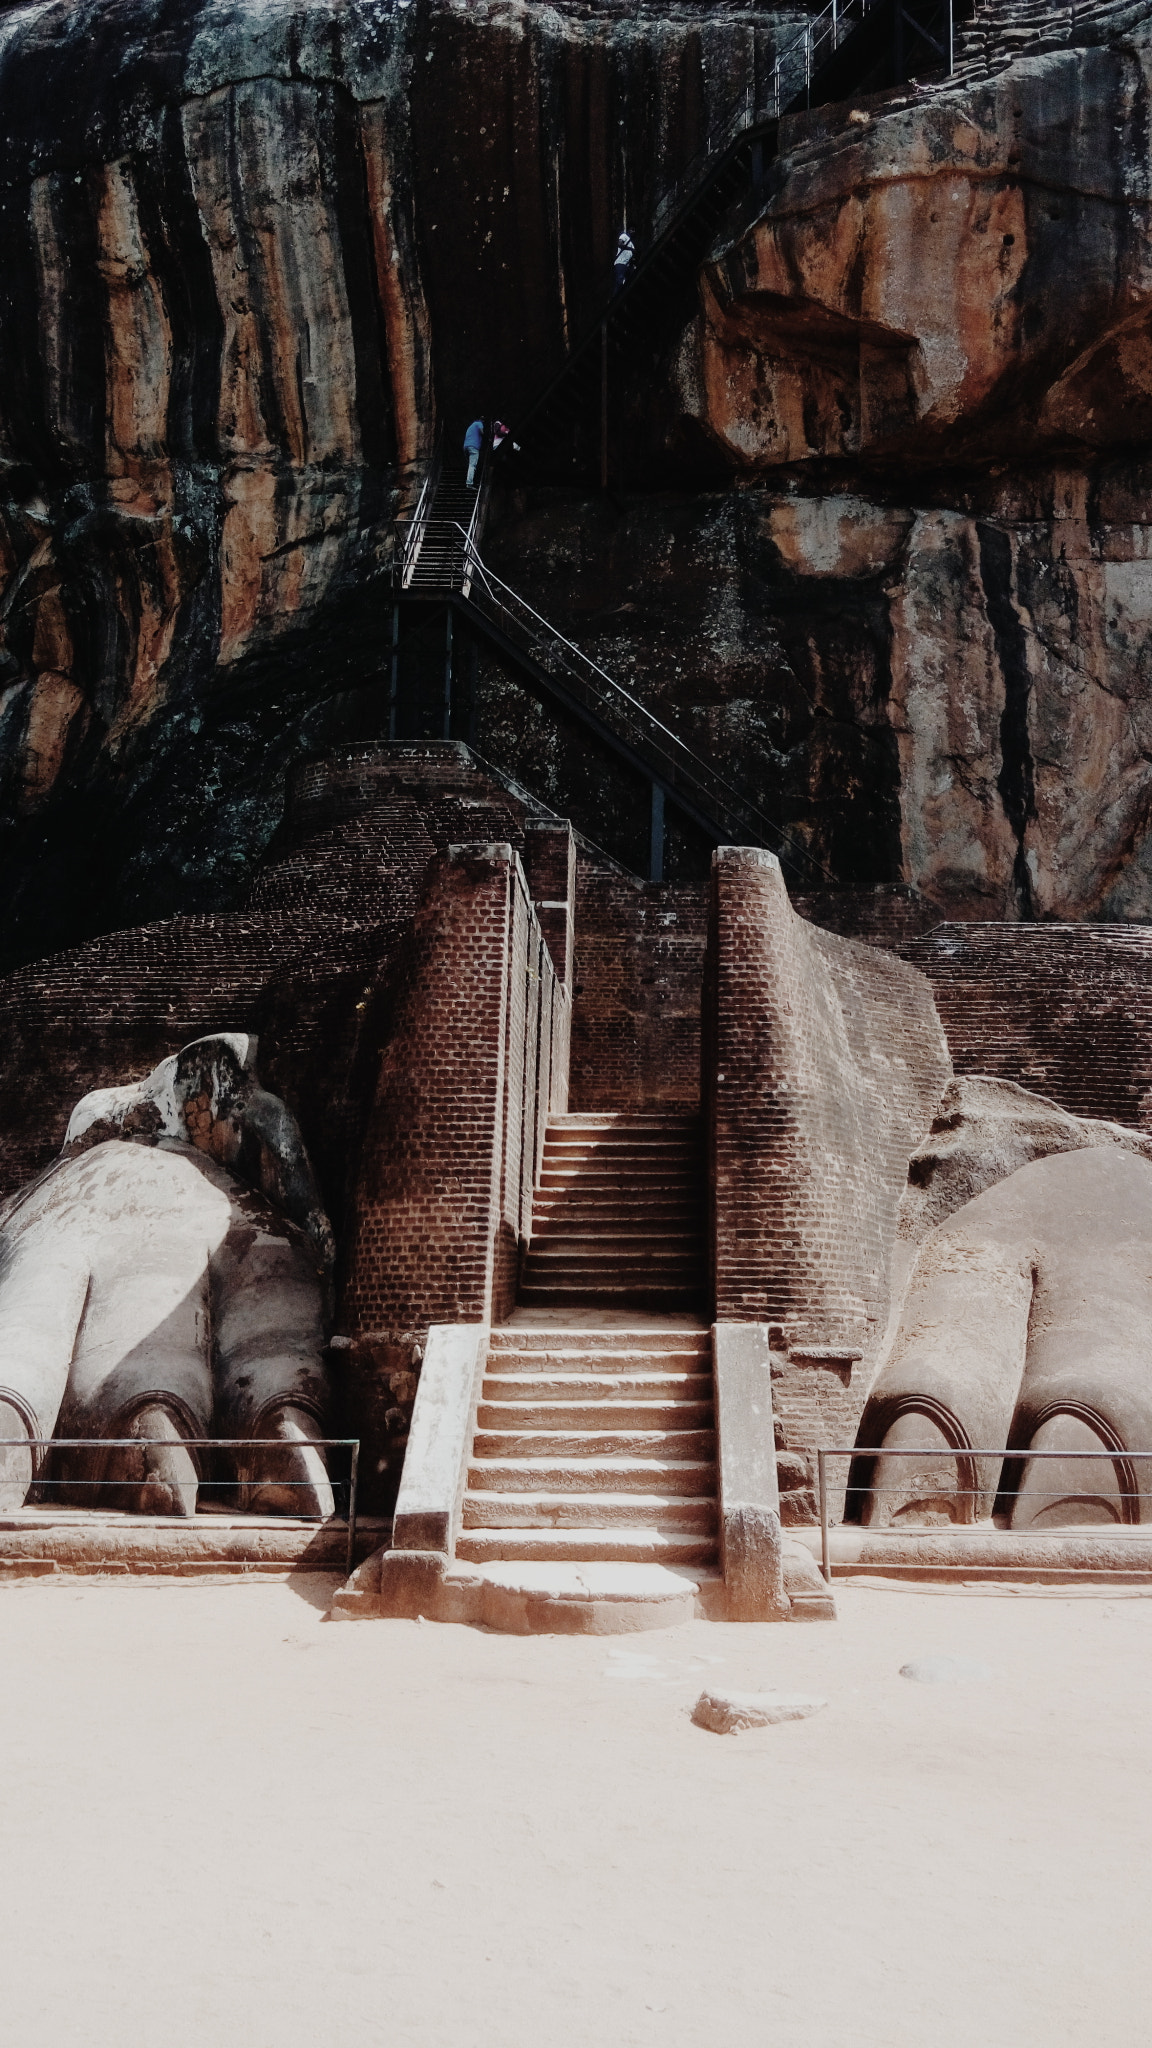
<point x="656" y="836"/>
<point x="825" y="1558"/>
<point x="394" y="674"/>
<point x="604" y="405"/>
<point x="352" y="1478"/>
<point x="447" y="732"/>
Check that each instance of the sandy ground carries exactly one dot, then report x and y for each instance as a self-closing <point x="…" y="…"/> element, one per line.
<point x="230" y="1824"/>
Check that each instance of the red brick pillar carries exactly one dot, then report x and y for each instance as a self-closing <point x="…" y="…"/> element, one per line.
<point x="428" y="1205"/>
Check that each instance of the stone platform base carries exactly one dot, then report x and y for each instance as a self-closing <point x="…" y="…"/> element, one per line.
<point x="35" y="1542"/>
<point x="1102" y="1554"/>
<point x="557" y="1599"/>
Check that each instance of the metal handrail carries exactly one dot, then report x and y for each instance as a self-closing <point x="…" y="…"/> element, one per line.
<point x="832" y="26"/>
<point x="479" y="514"/>
<point x="1019" y="1454"/>
<point x="197" y="1443"/>
<point x="415" y="535"/>
<point x="675" y="757"/>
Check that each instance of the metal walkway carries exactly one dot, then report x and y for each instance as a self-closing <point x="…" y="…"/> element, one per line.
<point x="441" y="565"/>
<point x="852" y="46"/>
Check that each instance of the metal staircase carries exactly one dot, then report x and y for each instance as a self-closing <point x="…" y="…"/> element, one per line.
<point x="441" y="565"/>
<point x="851" y="46"/>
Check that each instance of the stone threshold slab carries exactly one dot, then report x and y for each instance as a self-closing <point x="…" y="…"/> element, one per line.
<point x="37" y="1542"/>
<point x="1103" y="1554"/>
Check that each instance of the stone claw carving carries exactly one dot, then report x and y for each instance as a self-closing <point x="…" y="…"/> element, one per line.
<point x="165" y="1278"/>
<point x="1024" y="1327"/>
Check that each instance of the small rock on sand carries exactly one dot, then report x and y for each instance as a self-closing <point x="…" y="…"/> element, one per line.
<point x="945" y="1670"/>
<point x="727" y="1713"/>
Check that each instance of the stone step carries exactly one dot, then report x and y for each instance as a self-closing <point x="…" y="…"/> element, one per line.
<point x="655" y="1297"/>
<point x="636" y="1219"/>
<point x="685" y="1389"/>
<point x="621" y="1145"/>
<point x="638" y="1546"/>
<point x="641" y="1341"/>
<point x="623" y="1123"/>
<point x="591" y="1475"/>
<point x="600" y="1189"/>
<point x="622" y="1368"/>
<point x="610" y="1249"/>
<point x="619" y="1209"/>
<point x="564" y="1442"/>
<point x="570" y="1375"/>
<point x="562" y="1256"/>
<point x="582" y="1510"/>
<point x="592" y="1146"/>
<point x="607" y="1177"/>
<point x="606" y="1204"/>
<point x="568" y="1412"/>
<point x="594" y="1279"/>
<point x="631" y="1233"/>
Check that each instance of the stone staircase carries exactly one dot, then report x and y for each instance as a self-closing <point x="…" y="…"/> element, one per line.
<point x="593" y="1447"/>
<point x="619" y="1214"/>
<point x="1000" y="30"/>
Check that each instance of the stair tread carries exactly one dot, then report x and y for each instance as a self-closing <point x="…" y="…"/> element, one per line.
<point x="476" y="1544"/>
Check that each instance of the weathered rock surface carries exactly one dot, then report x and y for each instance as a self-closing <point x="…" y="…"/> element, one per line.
<point x="250" y="258"/>
<point x="1023" y="1326"/>
<point x="896" y="569"/>
<point x="985" y="1130"/>
<point x="730" y="1713"/>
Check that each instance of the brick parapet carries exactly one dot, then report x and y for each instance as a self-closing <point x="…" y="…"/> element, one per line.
<point x="890" y="915"/>
<point x="1062" y="1009"/>
<point x="451" y="1150"/>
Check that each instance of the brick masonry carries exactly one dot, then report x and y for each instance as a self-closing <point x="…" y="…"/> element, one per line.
<point x="110" y="1011"/>
<point x="639" y="973"/>
<point x="1064" y="1009"/>
<point x="404" y="994"/>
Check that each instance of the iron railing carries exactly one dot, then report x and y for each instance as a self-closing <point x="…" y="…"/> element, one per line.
<point x="791" y="75"/>
<point x="670" y="757"/>
<point x="48" y="1444"/>
<point x="419" y="520"/>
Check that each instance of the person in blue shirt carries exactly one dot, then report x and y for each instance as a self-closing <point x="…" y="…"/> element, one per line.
<point x="473" y="443"/>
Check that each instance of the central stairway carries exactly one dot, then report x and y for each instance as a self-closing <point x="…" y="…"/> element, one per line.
<point x="618" y="1220"/>
<point x="593" y="1446"/>
<point x="591" y="1494"/>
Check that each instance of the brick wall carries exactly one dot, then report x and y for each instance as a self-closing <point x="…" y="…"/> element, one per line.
<point x="890" y="915"/>
<point x="824" y="1063"/>
<point x="472" y="1064"/>
<point x="111" y="1010"/>
<point x="636" y="999"/>
<point x="1064" y="1009"/>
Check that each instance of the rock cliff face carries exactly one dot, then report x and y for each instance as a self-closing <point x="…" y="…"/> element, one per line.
<point x="884" y="540"/>
<point x="923" y="612"/>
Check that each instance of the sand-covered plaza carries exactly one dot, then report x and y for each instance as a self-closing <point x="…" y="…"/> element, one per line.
<point x="227" y="1821"/>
